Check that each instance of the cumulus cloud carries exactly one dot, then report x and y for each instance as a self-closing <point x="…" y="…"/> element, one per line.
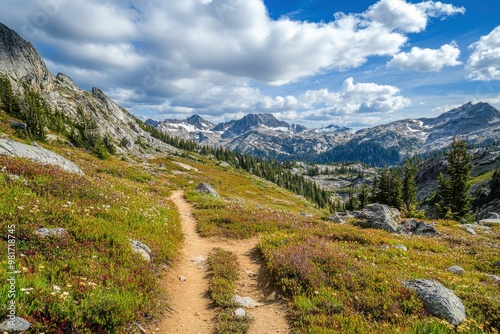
<point x="484" y="61"/>
<point x="427" y="59"/>
<point x="409" y="17"/>
<point x="210" y="55"/>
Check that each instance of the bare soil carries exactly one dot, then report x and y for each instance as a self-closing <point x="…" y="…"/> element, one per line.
<point x="190" y="307"/>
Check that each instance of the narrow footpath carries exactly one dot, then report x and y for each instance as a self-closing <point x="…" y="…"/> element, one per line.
<point x="187" y="283"/>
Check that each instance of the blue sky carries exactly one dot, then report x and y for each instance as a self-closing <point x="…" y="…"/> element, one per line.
<point x="313" y="62"/>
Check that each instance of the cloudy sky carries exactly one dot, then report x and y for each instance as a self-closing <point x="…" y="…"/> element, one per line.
<point x="312" y="62"/>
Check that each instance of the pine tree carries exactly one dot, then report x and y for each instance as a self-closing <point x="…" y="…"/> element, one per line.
<point x="495" y="184"/>
<point x="363" y="195"/>
<point x="35" y="114"/>
<point x="8" y="101"/>
<point x="453" y="198"/>
<point x="409" y="191"/>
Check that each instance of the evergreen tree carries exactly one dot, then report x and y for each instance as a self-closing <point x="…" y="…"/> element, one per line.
<point x="387" y="188"/>
<point x="363" y="195"/>
<point x="8" y="101"/>
<point x="495" y="184"/>
<point x="35" y="114"/>
<point x="453" y="198"/>
<point x="409" y="191"/>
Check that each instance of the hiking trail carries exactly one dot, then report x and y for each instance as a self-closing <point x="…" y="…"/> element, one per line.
<point x="190" y="307"/>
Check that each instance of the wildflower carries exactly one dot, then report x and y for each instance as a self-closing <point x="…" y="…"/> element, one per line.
<point x="57" y="288"/>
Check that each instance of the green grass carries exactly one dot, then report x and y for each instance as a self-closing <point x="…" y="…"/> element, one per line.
<point x="224" y="274"/>
<point x="90" y="281"/>
<point x="339" y="279"/>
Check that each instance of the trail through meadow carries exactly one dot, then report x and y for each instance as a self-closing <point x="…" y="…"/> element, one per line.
<point x="187" y="283"/>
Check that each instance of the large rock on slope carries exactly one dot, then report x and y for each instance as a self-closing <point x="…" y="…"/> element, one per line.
<point x="205" y="188"/>
<point x="38" y="154"/>
<point x="379" y="216"/>
<point x="438" y="300"/>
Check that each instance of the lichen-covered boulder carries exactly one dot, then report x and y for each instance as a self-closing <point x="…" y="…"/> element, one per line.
<point x="438" y="300"/>
<point x="205" y="188"/>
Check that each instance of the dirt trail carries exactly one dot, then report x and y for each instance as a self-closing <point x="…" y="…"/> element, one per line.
<point x="190" y="306"/>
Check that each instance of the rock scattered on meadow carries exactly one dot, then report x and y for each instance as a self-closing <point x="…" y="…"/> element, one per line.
<point x="379" y="216"/>
<point x="14" y="326"/>
<point x="56" y="232"/>
<point x="438" y="300"/>
<point x="205" y="188"/>
<point x="38" y="154"/>
<point x="141" y="249"/>
<point x="456" y="270"/>
<point x="416" y="227"/>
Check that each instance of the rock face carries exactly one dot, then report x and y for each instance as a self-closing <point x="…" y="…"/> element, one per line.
<point x="438" y="300"/>
<point x="20" y="62"/>
<point x="205" y="188"/>
<point x="379" y="216"/>
<point x="14" y="326"/>
<point x="39" y="154"/>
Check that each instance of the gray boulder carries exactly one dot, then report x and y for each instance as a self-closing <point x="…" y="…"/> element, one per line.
<point x="38" y="154"/>
<point x="14" y="326"/>
<point x="379" y="216"/>
<point x="456" y="270"/>
<point x="57" y="232"/>
<point x="141" y="249"/>
<point x="205" y="188"/>
<point x="246" y="302"/>
<point x="416" y="227"/>
<point x="438" y="300"/>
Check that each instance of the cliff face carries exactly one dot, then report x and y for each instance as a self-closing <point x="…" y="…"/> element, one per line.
<point x="22" y="63"/>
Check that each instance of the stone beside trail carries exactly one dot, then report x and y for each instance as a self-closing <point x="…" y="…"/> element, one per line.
<point x="38" y="154"/>
<point x="205" y="188"/>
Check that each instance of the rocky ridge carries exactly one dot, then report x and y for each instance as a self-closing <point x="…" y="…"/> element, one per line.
<point x="22" y="64"/>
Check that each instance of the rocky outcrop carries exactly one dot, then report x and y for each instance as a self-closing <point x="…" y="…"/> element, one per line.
<point x="20" y="62"/>
<point x="438" y="300"/>
<point x="38" y="154"/>
<point x="205" y="188"/>
<point x="415" y="227"/>
<point x="379" y="216"/>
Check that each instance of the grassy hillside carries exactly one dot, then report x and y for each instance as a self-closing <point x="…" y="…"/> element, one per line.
<point x="90" y="280"/>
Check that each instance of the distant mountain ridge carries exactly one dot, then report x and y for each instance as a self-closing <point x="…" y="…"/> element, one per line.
<point x="265" y="135"/>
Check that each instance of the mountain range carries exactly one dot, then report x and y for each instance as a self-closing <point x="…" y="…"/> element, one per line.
<point x="264" y="135"/>
<point x="259" y="134"/>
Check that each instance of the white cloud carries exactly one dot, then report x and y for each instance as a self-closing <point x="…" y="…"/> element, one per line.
<point x="484" y="62"/>
<point x="409" y="17"/>
<point x="427" y="59"/>
<point x="210" y="56"/>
